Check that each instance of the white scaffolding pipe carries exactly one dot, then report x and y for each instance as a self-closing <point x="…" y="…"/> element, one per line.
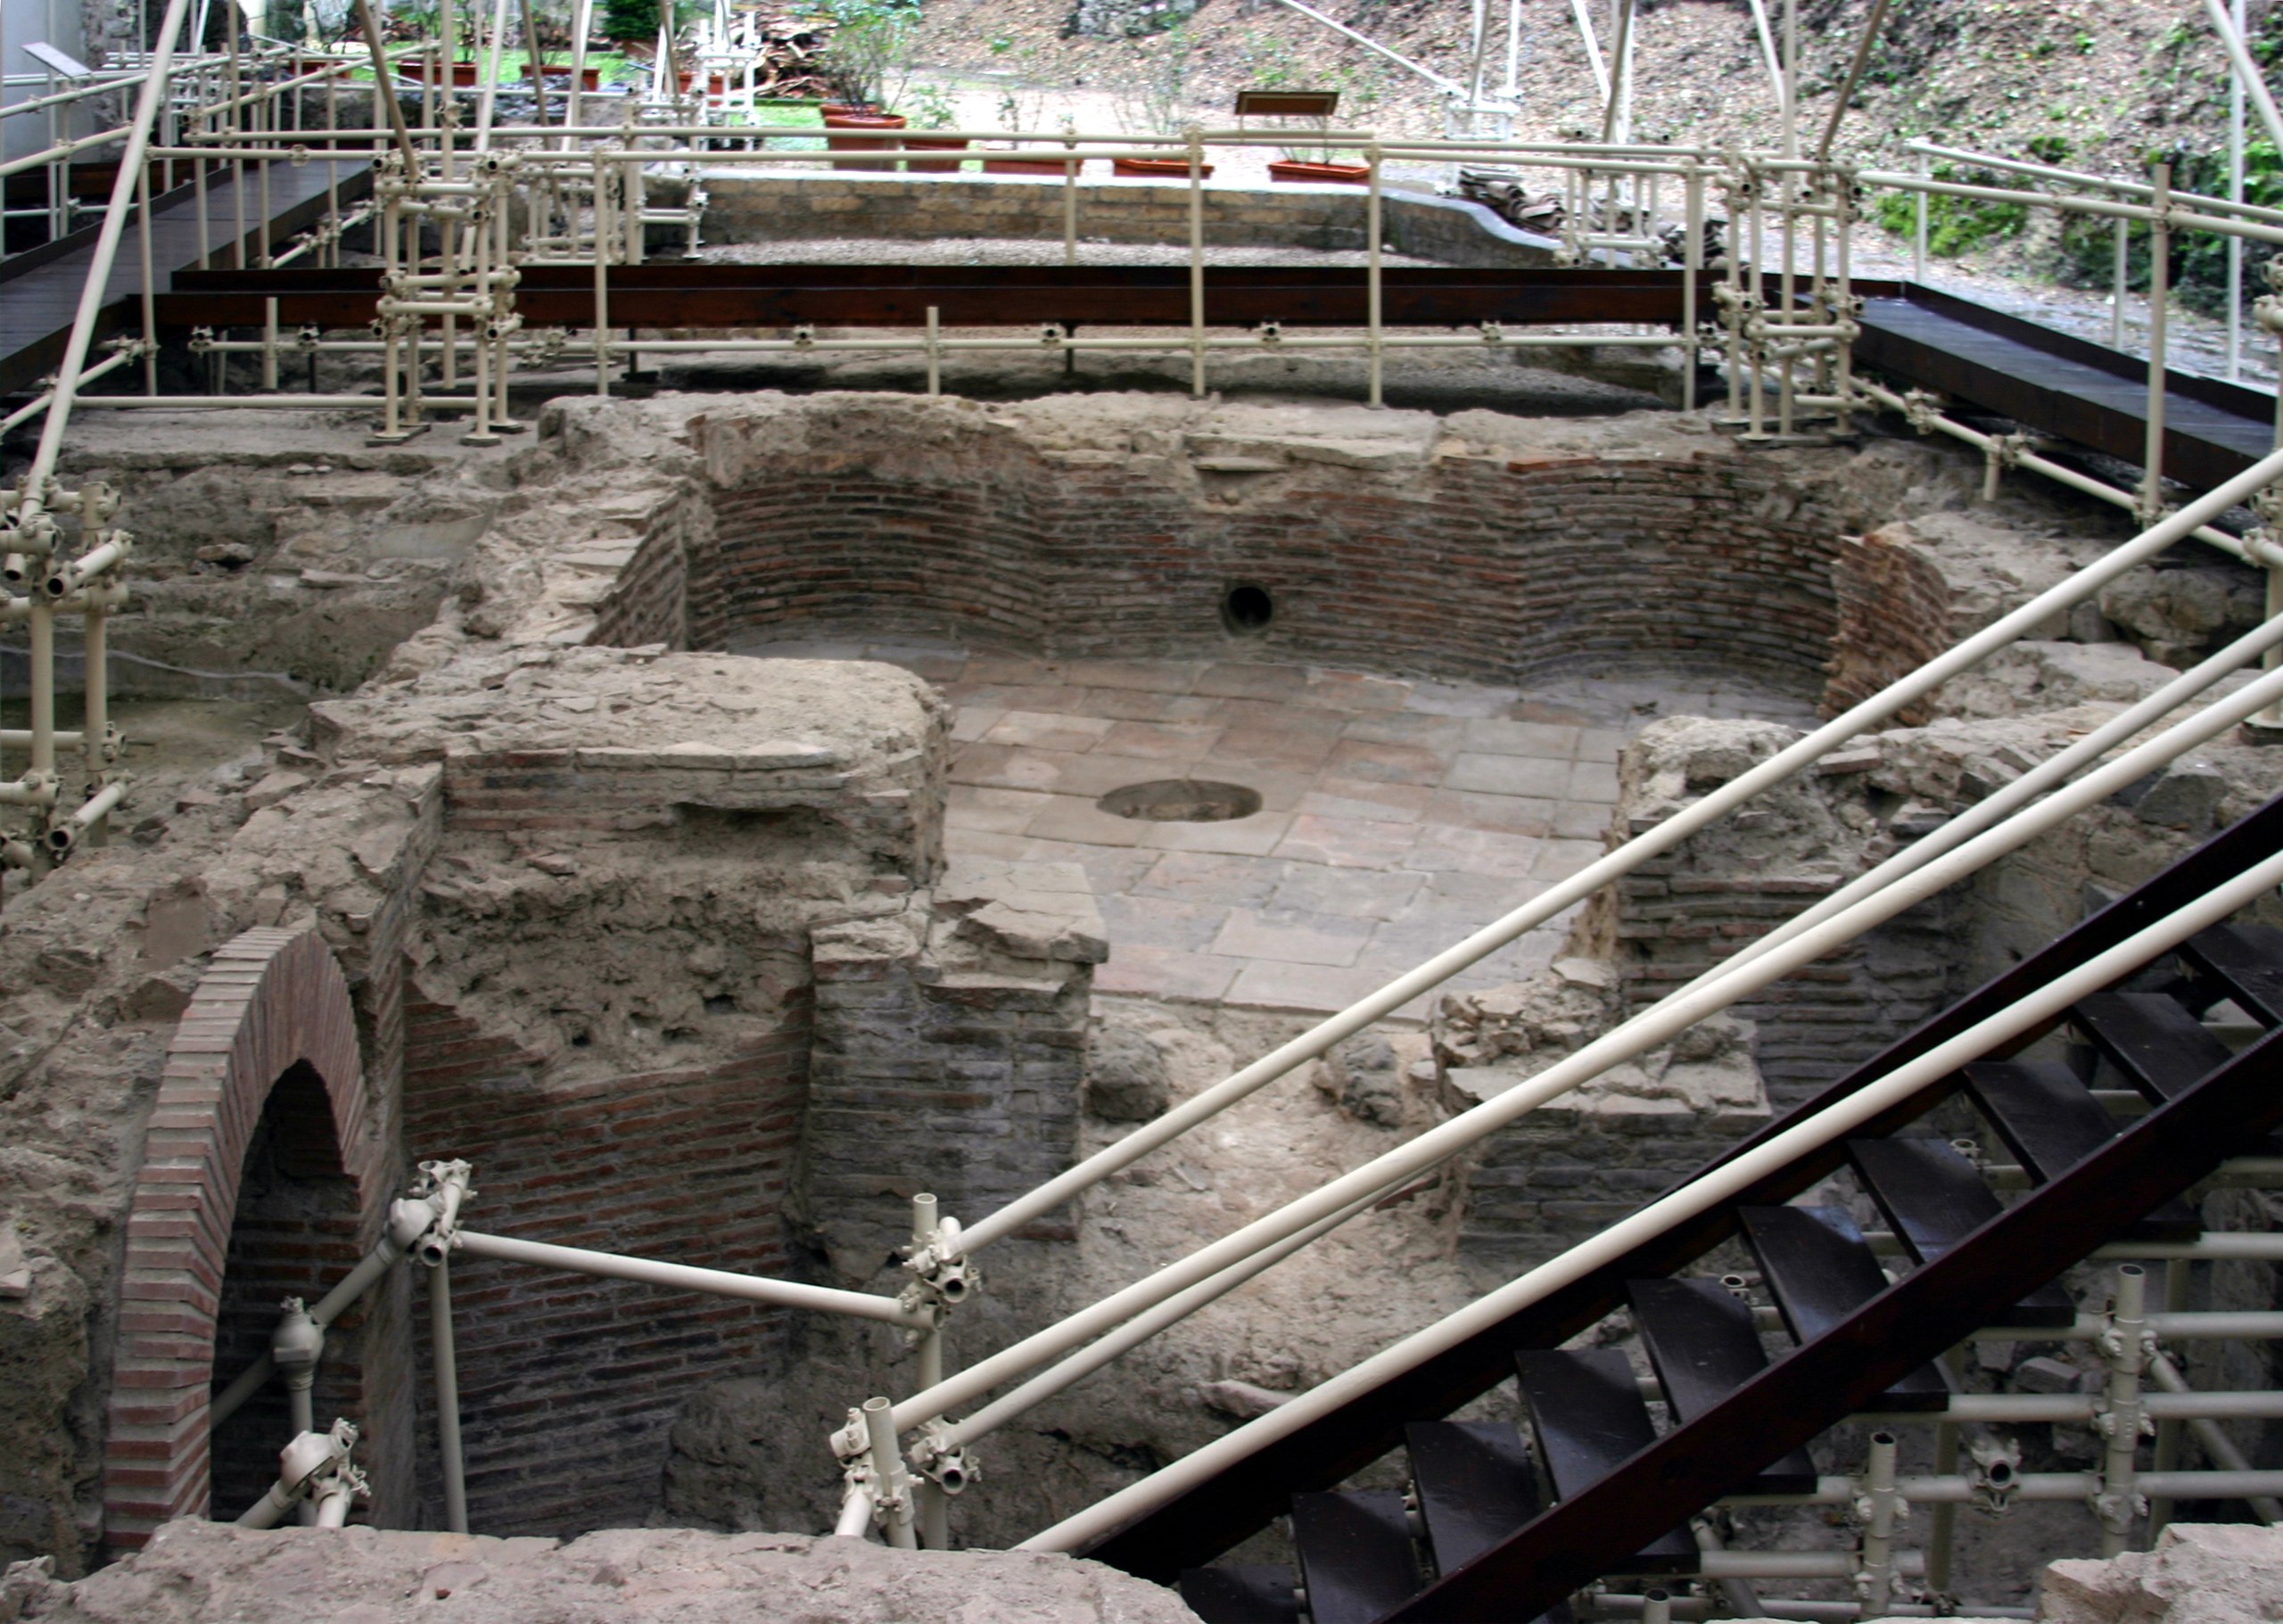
<point x="682" y="1277"/>
<point x="2247" y="74"/>
<point x="1721" y="1184"/>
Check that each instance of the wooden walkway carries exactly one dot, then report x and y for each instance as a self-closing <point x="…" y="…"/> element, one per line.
<point x="2068" y="387"/>
<point x="39" y="290"/>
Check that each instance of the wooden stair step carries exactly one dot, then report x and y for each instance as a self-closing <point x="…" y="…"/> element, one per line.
<point x="1476" y="1486"/>
<point x="1246" y="1593"/>
<point x="1820" y="1270"/>
<point x="2247" y="959"/>
<point x="1933" y="1199"/>
<point x="1587" y="1412"/>
<point x="2050" y="1121"/>
<point x="1701" y="1341"/>
<point x="2148" y="1037"/>
<point x="1355" y="1555"/>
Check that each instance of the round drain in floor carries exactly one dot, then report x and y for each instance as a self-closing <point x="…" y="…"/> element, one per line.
<point x="1182" y="801"/>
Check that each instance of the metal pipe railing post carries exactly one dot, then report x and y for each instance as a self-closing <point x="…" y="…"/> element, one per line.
<point x="1196" y="261"/>
<point x="2126" y="1346"/>
<point x="448" y="1397"/>
<point x="2151" y="506"/>
<point x="893" y="1483"/>
<point x="1372" y="278"/>
<point x="1692" y="264"/>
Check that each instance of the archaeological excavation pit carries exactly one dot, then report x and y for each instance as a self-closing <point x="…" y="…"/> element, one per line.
<point x="730" y="863"/>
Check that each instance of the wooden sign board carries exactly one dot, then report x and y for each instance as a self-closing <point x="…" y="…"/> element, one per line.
<point x="1287" y="103"/>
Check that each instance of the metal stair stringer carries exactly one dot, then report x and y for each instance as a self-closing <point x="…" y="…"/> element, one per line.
<point x="1845" y="1370"/>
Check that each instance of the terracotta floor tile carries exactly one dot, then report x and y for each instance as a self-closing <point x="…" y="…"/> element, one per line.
<point x="1279" y="717"/>
<point x="1460" y="699"/>
<point x="1076" y="818"/>
<point x="1159" y="972"/>
<point x="1497" y="735"/>
<point x="1253" y="836"/>
<point x="1594" y="781"/>
<point x="1562" y="857"/>
<point x="1510" y="775"/>
<point x="1298" y="938"/>
<point x="987" y="843"/>
<point x="983" y="666"/>
<point x="1151" y="676"/>
<point x="1234" y="882"/>
<point x="1159" y="741"/>
<point x="1312" y="988"/>
<point x="970" y="722"/>
<point x="1360" y="758"/>
<point x="1239" y="679"/>
<point x="1041" y="731"/>
<point x="1276" y="746"/>
<point x="1479" y="852"/>
<point x="1507" y="815"/>
<point x="1374" y="803"/>
<point x="1347" y="842"/>
<point x="1443" y="733"/>
<point x="1047" y="698"/>
<point x="1163" y="921"/>
<point x="1347" y="690"/>
<point x="1359" y="893"/>
<point x="1280" y="787"/>
<point x="1581" y="821"/>
<point x="1110" y="870"/>
<point x="993" y="808"/>
<point x="1136" y="705"/>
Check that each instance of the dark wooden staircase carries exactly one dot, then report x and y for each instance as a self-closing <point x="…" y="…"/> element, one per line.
<point x="1495" y="1528"/>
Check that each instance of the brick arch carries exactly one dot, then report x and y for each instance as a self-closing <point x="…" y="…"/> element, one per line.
<point x="268" y="1001"/>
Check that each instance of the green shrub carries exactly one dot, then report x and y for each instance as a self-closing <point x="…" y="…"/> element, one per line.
<point x="1955" y="226"/>
<point x="2197" y="265"/>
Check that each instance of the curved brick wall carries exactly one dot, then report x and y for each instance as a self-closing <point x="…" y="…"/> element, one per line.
<point x="1487" y="569"/>
<point x="273" y="1002"/>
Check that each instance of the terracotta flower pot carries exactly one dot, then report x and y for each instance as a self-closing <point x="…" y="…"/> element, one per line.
<point x="558" y="75"/>
<point x="1158" y="169"/>
<point x="462" y="73"/>
<point x="840" y="110"/>
<point x="932" y="143"/>
<point x="1337" y="174"/>
<point x="1029" y="166"/>
<point x="836" y="123"/>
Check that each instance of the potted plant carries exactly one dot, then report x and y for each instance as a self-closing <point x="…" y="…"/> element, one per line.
<point x="930" y="107"/>
<point x="864" y="66"/>
<point x="1022" y="106"/>
<point x="1360" y="94"/>
<point x="1153" y="103"/>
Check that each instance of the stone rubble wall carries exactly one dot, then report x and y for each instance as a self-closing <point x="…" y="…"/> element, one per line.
<point x="743" y="207"/>
<point x="196" y="1572"/>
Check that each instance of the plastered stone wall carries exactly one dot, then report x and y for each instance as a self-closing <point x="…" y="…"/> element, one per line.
<point x="742" y="206"/>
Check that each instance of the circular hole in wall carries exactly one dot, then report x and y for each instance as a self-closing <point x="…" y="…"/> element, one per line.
<point x="1182" y="801"/>
<point x="1246" y="609"/>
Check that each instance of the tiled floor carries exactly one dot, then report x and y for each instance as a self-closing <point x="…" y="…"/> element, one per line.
<point x="1396" y="817"/>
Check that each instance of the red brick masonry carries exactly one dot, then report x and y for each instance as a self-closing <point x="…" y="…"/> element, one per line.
<point x="270" y="999"/>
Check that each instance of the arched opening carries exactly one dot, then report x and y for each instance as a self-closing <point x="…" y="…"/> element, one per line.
<point x="293" y="1233"/>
